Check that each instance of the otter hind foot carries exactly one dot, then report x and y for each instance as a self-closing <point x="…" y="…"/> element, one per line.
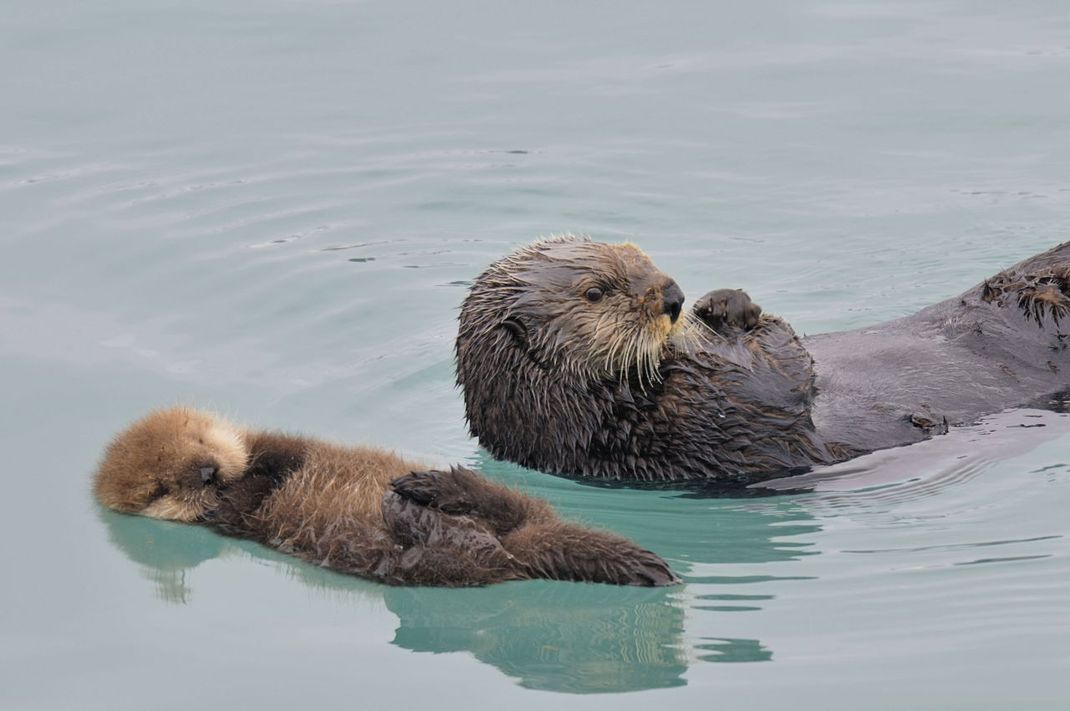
<point x="728" y="310"/>
<point x="1040" y="293"/>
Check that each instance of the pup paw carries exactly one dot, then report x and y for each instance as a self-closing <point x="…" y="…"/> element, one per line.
<point x="449" y="492"/>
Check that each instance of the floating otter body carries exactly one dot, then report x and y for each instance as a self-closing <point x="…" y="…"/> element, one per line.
<point x="576" y="359"/>
<point x="357" y="510"/>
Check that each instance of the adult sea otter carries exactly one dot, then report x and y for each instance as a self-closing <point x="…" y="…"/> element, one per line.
<point x="577" y="358"/>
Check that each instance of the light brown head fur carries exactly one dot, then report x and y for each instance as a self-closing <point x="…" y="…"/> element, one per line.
<point x="170" y="463"/>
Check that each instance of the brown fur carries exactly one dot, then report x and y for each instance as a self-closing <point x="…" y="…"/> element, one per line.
<point x="358" y="510"/>
<point x="152" y="467"/>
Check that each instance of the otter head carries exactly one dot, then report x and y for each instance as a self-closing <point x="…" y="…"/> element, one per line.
<point x="555" y="333"/>
<point x="574" y="306"/>
<point x="170" y="465"/>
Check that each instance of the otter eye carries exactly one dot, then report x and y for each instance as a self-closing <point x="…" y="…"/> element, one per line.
<point x="594" y="294"/>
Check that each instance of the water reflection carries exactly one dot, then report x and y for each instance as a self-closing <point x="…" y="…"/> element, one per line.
<point x="560" y="637"/>
<point x="573" y="638"/>
<point x="681" y="524"/>
<point x="552" y="636"/>
<point x="723" y="649"/>
<point x="164" y="551"/>
<point x="929" y="468"/>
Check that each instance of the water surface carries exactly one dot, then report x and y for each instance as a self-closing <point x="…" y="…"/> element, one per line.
<point x="273" y="208"/>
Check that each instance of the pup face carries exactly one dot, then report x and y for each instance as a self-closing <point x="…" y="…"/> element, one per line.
<point x="170" y="465"/>
<point x="586" y="306"/>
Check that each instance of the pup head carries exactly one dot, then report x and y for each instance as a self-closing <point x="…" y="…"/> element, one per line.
<point x="170" y="465"/>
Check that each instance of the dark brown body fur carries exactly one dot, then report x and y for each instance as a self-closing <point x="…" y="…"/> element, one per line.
<point x="737" y="397"/>
<point x="364" y="511"/>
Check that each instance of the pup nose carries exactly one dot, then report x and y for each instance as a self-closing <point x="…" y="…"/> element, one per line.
<point x="208" y="474"/>
<point x="672" y="300"/>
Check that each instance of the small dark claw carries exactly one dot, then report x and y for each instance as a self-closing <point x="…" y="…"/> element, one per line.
<point x="726" y="309"/>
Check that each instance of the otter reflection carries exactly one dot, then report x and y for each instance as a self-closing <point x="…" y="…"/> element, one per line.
<point x="571" y="638"/>
<point x="567" y="638"/>
<point x="164" y="551"/>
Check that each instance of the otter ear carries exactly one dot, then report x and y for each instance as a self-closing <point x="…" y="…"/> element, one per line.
<point x="517" y="329"/>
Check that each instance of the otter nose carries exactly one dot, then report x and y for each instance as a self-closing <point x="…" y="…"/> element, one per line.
<point x="672" y="300"/>
<point x="200" y="475"/>
<point x="208" y="474"/>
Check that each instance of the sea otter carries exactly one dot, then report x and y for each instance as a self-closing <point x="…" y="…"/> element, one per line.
<point x="577" y="358"/>
<point x="357" y="510"/>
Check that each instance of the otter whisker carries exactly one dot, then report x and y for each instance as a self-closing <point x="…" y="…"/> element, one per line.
<point x="690" y="332"/>
<point x="617" y="354"/>
<point x="651" y="358"/>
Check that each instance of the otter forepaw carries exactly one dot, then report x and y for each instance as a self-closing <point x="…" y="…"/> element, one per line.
<point x="449" y="492"/>
<point x="463" y="492"/>
<point x="725" y="310"/>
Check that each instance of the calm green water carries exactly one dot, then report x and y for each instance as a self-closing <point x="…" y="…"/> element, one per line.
<point x="272" y="208"/>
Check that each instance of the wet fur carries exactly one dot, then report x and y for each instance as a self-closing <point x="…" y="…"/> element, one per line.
<point x="358" y="510"/>
<point x="736" y="397"/>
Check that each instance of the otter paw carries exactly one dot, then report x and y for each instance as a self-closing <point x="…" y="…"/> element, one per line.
<point x="449" y="492"/>
<point x="725" y="310"/>
<point x="414" y="524"/>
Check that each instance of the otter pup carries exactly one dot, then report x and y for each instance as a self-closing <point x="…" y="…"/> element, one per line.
<point x="357" y="510"/>
<point x="576" y="358"/>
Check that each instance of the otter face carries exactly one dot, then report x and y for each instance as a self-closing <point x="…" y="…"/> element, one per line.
<point x="592" y="308"/>
<point x="170" y="465"/>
